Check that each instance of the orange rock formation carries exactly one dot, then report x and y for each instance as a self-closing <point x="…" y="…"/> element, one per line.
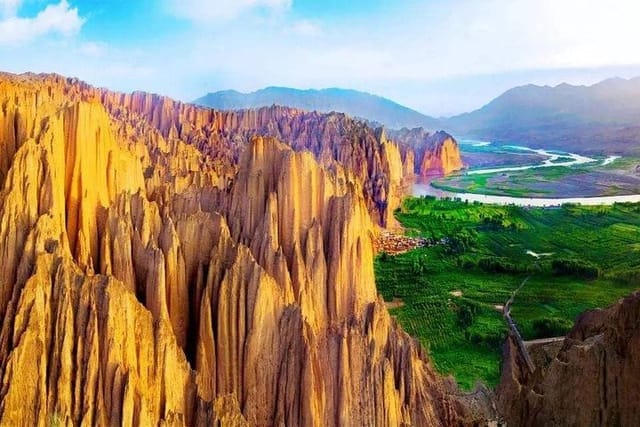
<point x="428" y="154"/>
<point x="160" y="269"/>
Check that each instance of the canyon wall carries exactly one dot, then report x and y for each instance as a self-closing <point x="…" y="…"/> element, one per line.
<point x="592" y="380"/>
<point x="159" y="270"/>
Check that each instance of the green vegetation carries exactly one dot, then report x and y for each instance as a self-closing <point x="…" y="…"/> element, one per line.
<point x="453" y="291"/>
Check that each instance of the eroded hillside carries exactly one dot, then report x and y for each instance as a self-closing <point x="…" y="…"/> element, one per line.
<point x="162" y="264"/>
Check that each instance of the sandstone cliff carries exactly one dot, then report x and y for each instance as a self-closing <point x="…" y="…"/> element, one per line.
<point x="159" y="270"/>
<point x="428" y="154"/>
<point x="592" y="380"/>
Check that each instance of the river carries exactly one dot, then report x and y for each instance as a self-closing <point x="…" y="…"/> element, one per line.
<point x="554" y="158"/>
<point x="427" y="190"/>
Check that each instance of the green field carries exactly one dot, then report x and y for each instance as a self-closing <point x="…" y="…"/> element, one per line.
<point x="450" y="290"/>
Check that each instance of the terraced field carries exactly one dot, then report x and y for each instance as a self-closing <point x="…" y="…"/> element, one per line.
<point x="452" y="292"/>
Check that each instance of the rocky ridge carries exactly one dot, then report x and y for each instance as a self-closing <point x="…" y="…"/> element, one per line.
<point x="383" y="166"/>
<point x="158" y="270"/>
<point x="592" y="380"/>
<point x="333" y="138"/>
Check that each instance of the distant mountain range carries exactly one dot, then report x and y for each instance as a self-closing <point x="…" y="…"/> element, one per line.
<point x="604" y="117"/>
<point x="354" y="103"/>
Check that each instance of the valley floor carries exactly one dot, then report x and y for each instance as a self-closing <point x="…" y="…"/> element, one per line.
<point x="452" y="294"/>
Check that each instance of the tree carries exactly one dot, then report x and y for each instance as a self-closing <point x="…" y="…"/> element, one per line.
<point x="467" y="312"/>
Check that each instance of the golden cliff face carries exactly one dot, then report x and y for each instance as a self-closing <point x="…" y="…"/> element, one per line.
<point x="332" y="138"/>
<point x="428" y="154"/>
<point x="157" y="271"/>
<point x="443" y="160"/>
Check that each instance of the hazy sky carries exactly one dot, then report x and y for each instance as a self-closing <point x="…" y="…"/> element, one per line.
<point x="440" y="57"/>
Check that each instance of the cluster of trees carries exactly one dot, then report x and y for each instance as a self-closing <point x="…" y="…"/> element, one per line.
<point x="558" y="267"/>
<point x="575" y="268"/>
<point x="500" y="265"/>
<point x="497" y="222"/>
<point x="633" y="207"/>
<point x="497" y="265"/>
<point x="419" y="265"/>
<point x="460" y="241"/>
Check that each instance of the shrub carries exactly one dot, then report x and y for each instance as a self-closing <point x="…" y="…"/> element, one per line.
<point x="551" y="327"/>
<point x="467" y="263"/>
<point x="419" y="265"/>
<point x="628" y="277"/>
<point x="491" y="339"/>
<point x="466" y="313"/>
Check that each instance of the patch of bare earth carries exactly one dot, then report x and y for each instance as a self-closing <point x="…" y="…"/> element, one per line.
<point x="394" y="303"/>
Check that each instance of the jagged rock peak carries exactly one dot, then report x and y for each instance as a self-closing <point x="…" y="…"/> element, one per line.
<point x="146" y="281"/>
<point x="220" y="137"/>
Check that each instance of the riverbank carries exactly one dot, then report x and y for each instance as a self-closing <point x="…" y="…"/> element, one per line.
<point x="430" y="190"/>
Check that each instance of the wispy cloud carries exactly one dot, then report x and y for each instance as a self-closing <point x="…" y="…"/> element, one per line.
<point x="211" y="11"/>
<point x="58" y="18"/>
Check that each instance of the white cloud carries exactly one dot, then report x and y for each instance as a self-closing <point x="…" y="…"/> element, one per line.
<point x="436" y="56"/>
<point x="8" y="8"/>
<point x="504" y="35"/>
<point x="207" y="11"/>
<point x="54" y="19"/>
<point x="306" y="28"/>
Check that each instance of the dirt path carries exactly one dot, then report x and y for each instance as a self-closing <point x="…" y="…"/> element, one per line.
<point x="506" y="313"/>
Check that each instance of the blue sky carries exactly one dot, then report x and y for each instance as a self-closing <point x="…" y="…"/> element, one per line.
<point x="439" y="57"/>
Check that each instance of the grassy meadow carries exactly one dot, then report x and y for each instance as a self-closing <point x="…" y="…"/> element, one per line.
<point x="453" y="291"/>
